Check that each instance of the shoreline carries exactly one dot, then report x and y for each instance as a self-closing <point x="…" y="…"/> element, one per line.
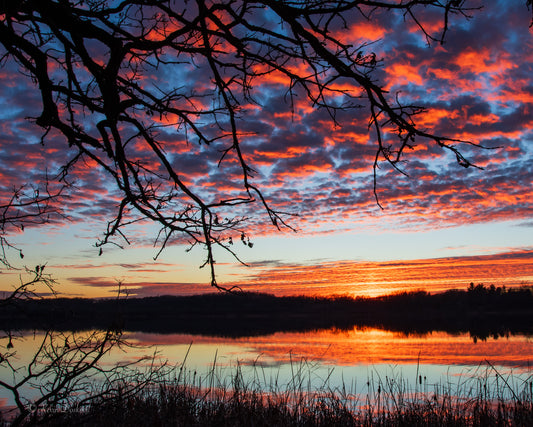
<point x="481" y="311"/>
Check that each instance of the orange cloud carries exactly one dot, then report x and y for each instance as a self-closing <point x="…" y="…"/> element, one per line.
<point x="382" y="278"/>
<point x="483" y="61"/>
<point x="366" y="30"/>
<point x="403" y="73"/>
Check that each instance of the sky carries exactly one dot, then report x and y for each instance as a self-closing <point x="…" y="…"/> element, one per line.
<point x="442" y="226"/>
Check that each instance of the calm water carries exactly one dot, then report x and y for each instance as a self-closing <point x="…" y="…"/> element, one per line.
<point x="331" y="359"/>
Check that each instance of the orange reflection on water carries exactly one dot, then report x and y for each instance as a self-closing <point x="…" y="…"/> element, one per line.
<point x="361" y="347"/>
<point x="374" y="346"/>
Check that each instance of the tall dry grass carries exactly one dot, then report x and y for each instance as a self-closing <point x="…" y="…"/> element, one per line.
<point x="185" y="398"/>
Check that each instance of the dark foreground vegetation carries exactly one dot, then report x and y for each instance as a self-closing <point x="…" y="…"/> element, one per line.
<point x="385" y="403"/>
<point x="72" y="386"/>
<point x="480" y="310"/>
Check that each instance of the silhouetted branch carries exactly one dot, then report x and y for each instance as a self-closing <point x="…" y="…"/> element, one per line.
<point x="26" y="206"/>
<point x="66" y="371"/>
<point x="89" y="61"/>
<point x="29" y="288"/>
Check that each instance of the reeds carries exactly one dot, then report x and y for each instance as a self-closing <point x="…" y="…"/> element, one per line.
<point x="185" y="398"/>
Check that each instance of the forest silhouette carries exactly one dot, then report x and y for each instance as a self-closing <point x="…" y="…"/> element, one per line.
<point x="481" y="311"/>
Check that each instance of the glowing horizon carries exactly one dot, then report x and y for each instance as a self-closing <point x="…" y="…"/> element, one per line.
<point x="442" y="227"/>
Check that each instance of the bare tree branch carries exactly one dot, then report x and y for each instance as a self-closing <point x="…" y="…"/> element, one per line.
<point x="89" y="61"/>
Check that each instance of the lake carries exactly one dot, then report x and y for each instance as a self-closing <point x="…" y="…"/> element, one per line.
<point x="351" y="355"/>
<point x="352" y="359"/>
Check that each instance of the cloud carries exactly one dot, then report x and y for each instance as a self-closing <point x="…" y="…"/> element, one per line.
<point x="477" y="86"/>
<point x="142" y="289"/>
<point x="346" y="277"/>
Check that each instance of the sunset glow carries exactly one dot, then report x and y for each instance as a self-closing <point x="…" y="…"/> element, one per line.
<point x="442" y="226"/>
<point x="284" y="212"/>
<point x="355" y="347"/>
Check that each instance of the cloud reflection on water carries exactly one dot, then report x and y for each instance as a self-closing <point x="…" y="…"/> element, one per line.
<point x="357" y="347"/>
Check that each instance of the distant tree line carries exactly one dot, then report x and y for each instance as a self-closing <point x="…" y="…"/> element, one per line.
<point x="482" y="311"/>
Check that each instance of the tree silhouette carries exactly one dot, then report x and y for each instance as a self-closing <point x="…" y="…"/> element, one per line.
<point x="64" y="370"/>
<point x="98" y="67"/>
